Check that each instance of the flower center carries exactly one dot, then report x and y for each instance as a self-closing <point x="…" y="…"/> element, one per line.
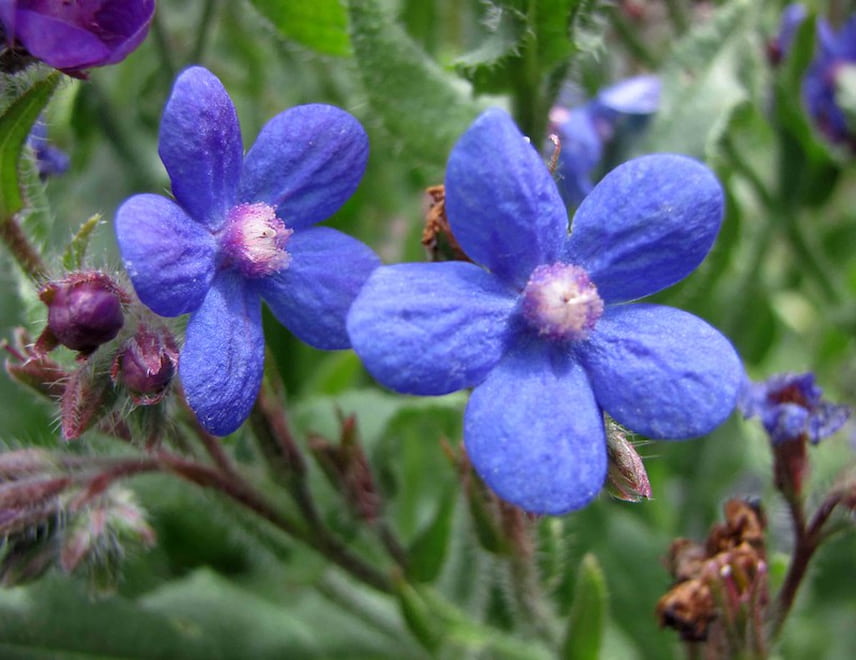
<point x="561" y="302"/>
<point x="255" y="239"/>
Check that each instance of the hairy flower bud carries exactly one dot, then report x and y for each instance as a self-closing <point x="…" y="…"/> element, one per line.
<point x="626" y="477"/>
<point x="146" y="364"/>
<point x="84" y="311"/>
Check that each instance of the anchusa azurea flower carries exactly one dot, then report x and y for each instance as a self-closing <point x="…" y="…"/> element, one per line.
<point x="537" y="323"/>
<point x="585" y="130"/>
<point x="829" y="86"/>
<point x="73" y="36"/>
<point x="791" y="407"/>
<point x="241" y="229"/>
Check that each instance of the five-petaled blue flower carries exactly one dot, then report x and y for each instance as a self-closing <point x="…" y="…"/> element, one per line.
<point x="538" y="323"/>
<point x="791" y="407"/>
<point x="240" y="229"/>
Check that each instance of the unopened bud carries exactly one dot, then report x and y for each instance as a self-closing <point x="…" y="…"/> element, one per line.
<point x="97" y="534"/>
<point x="146" y="364"/>
<point x="347" y="468"/>
<point x="627" y="479"/>
<point x="88" y="396"/>
<point x="84" y="311"/>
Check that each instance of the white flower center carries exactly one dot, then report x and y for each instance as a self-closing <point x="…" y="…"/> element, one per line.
<point x="255" y="239"/>
<point x="561" y="302"/>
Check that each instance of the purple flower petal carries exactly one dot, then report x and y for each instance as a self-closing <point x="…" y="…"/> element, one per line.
<point x="200" y="145"/>
<point x="223" y="355"/>
<point x="56" y="42"/>
<point x="535" y="434"/>
<point x="305" y="163"/>
<point x="430" y="328"/>
<point x="502" y="203"/>
<point x="646" y="225"/>
<point x="168" y="256"/>
<point x="312" y="296"/>
<point x="662" y="372"/>
<point x="77" y="35"/>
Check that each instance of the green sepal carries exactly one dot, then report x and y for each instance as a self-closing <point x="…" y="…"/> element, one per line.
<point x="72" y="258"/>
<point x="321" y="25"/>
<point x="15" y="124"/>
<point x="584" y="634"/>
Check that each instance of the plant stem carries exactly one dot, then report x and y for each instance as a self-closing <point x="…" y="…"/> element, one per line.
<point x="807" y="539"/>
<point x="22" y="250"/>
<point x="202" y="29"/>
<point x="162" y="43"/>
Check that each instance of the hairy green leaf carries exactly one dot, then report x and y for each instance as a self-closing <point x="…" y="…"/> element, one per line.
<point x="15" y="124"/>
<point x="421" y="106"/>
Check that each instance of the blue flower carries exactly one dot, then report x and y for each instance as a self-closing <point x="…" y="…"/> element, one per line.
<point x="585" y="130"/>
<point x="791" y="407"/>
<point x="538" y="325"/>
<point x="825" y="78"/>
<point x="241" y="229"/>
<point x="50" y="160"/>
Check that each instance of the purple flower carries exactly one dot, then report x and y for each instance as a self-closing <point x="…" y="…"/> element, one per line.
<point x="790" y="407"/>
<point x="72" y="36"/>
<point x="241" y="229"/>
<point x="825" y="78"/>
<point x="585" y="130"/>
<point x="538" y="323"/>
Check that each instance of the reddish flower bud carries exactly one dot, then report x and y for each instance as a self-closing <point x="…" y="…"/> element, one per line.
<point x="84" y="311"/>
<point x="146" y="364"/>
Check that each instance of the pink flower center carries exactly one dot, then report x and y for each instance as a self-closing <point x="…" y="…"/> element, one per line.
<point x="255" y="239"/>
<point x="561" y="302"/>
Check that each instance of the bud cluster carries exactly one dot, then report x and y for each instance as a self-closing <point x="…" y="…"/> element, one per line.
<point x="720" y="591"/>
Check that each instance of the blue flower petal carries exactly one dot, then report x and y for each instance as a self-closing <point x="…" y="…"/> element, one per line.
<point x="305" y="162"/>
<point x="639" y="95"/>
<point x="502" y="204"/>
<point x="660" y="371"/>
<point x="582" y="148"/>
<point x="535" y="434"/>
<point x="430" y="328"/>
<point x="312" y="296"/>
<point x="168" y="256"/>
<point x="223" y="355"/>
<point x="646" y="225"/>
<point x="200" y="145"/>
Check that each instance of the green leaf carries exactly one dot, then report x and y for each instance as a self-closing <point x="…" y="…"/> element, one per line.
<point x="427" y="553"/>
<point x="709" y="73"/>
<point x="15" y="124"/>
<point x="584" y="634"/>
<point x="321" y="25"/>
<point x="505" y="28"/>
<point x="72" y="258"/>
<point x="419" y="105"/>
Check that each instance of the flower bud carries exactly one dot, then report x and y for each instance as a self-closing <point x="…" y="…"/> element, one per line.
<point x="146" y="364"/>
<point x="84" y="311"/>
<point x="626" y="477"/>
